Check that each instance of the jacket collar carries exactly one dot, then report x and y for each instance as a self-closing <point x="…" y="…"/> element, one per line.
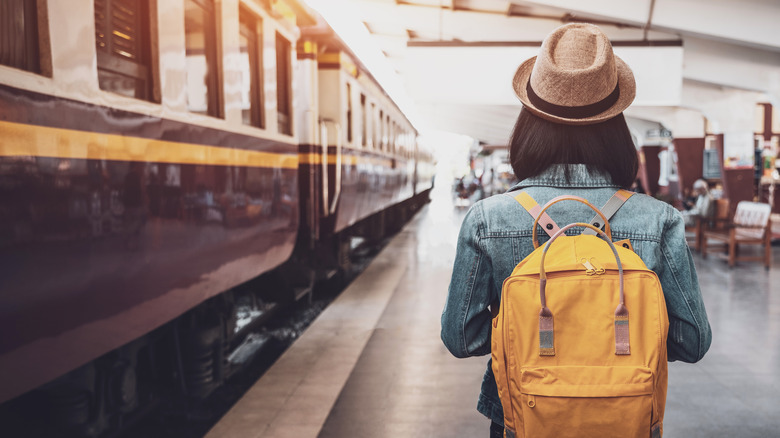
<point x="578" y="176"/>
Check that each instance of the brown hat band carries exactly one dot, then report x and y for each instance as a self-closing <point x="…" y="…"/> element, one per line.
<point x="573" y="112"/>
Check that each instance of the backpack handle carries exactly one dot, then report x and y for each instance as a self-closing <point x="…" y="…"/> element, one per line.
<point x="558" y="199"/>
<point x="546" y="334"/>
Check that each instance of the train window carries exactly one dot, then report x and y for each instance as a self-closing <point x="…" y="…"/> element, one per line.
<point x="363" y="127"/>
<point x="372" y="120"/>
<point x="399" y="138"/>
<point x="349" y="113"/>
<point x="202" y="66"/>
<point x="392" y="137"/>
<point x="387" y="133"/>
<point x="20" y="39"/>
<point x="380" y="142"/>
<point x="283" y="104"/>
<point x="251" y="60"/>
<point x="123" y="40"/>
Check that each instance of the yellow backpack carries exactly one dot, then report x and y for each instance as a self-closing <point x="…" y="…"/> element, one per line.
<point x="579" y="340"/>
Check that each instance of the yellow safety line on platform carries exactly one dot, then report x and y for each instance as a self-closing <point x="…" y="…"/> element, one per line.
<point x="18" y="139"/>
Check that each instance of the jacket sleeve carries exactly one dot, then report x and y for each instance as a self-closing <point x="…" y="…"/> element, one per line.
<point x="689" y="330"/>
<point x="465" y="321"/>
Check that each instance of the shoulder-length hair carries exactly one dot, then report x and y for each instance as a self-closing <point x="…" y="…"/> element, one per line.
<point x="607" y="147"/>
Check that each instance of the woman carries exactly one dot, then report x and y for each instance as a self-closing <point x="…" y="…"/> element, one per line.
<point x="570" y="138"/>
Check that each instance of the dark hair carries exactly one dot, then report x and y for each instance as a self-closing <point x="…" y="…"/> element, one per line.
<point x="607" y="147"/>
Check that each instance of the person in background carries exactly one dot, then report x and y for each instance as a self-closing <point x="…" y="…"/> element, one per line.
<point x="570" y="138"/>
<point x="703" y="206"/>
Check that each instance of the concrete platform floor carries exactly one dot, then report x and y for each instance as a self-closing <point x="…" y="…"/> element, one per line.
<point x="372" y="364"/>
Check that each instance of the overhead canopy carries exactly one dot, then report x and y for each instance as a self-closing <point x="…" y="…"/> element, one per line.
<point x="458" y="74"/>
<point x="456" y="58"/>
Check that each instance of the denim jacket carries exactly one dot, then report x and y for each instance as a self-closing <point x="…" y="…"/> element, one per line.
<point x="496" y="236"/>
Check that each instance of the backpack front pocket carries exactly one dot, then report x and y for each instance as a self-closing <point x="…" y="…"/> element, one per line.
<point x="583" y="401"/>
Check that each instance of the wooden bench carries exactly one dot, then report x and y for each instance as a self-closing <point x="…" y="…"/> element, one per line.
<point x="751" y="225"/>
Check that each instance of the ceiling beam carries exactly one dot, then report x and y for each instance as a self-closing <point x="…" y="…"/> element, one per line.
<point x="748" y="22"/>
<point x="649" y="18"/>
<point x="470" y="25"/>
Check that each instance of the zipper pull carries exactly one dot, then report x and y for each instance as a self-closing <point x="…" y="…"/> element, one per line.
<point x="599" y="269"/>
<point x="589" y="269"/>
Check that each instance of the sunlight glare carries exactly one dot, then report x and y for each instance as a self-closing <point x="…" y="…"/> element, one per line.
<point x="350" y="28"/>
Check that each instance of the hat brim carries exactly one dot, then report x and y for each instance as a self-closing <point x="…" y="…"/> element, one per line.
<point x="626" y="83"/>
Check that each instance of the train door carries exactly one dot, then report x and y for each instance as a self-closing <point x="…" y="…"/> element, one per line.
<point x="313" y="143"/>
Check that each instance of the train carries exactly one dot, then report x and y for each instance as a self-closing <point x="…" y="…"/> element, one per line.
<point x="154" y="156"/>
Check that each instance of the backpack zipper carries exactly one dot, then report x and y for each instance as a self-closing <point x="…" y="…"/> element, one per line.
<point x="592" y="266"/>
<point x="589" y="269"/>
<point x="599" y="269"/>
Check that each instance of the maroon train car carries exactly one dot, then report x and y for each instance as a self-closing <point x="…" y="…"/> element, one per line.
<point x="361" y="165"/>
<point x="154" y="155"/>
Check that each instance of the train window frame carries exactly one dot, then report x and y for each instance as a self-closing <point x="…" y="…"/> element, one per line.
<point x="363" y="127"/>
<point x="372" y="135"/>
<point x="349" y="111"/>
<point x="125" y="47"/>
<point x="211" y="51"/>
<point x="284" y="125"/>
<point x="393" y="138"/>
<point x="31" y="52"/>
<point x="250" y="26"/>
<point x="381" y="139"/>
<point x="399" y="138"/>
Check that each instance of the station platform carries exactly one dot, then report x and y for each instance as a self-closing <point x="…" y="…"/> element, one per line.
<point x="373" y="365"/>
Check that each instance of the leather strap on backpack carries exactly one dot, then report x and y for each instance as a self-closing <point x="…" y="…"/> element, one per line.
<point x="558" y="199"/>
<point x="546" y="331"/>
<point x="532" y="207"/>
<point x="550" y="227"/>
<point x="609" y="209"/>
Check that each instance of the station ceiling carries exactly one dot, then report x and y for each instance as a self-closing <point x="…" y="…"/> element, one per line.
<point x="455" y="58"/>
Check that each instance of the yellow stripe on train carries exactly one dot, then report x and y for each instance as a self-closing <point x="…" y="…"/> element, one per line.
<point x="346" y="160"/>
<point x="18" y="139"/>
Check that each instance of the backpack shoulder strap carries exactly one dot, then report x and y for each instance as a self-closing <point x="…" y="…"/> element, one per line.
<point x="609" y="209"/>
<point x="532" y="207"/>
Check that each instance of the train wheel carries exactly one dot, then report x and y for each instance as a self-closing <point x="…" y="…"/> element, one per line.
<point x="73" y="404"/>
<point x="68" y="407"/>
<point x="344" y="254"/>
<point x="201" y="351"/>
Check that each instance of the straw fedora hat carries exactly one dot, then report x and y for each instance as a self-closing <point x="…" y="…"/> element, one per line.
<point x="576" y="79"/>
